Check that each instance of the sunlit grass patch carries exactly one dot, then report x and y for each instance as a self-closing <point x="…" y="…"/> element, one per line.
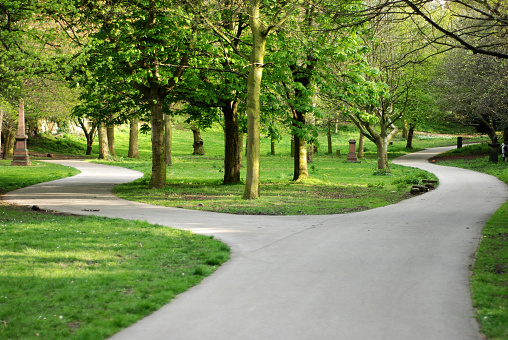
<point x="88" y="277"/>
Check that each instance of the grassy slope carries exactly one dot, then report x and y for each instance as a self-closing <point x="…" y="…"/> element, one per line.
<point x="490" y="274"/>
<point x="69" y="277"/>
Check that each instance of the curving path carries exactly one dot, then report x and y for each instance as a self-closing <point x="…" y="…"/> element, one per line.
<point x="397" y="272"/>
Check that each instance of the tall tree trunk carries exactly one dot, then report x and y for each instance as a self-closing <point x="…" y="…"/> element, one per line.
<point x="168" y="139"/>
<point x="198" y="142"/>
<point x="382" y="153"/>
<point x="272" y="146"/>
<point x="110" y="129"/>
<point x="405" y="130"/>
<point x="259" y="34"/>
<point x="158" y="178"/>
<point x="89" y="135"/>
<point x="1" y="123"/>
<point x="300" y="170"/>
<point x="361" y="146"/>
<point x="240" y="149"/>
<point x="133" y="138"/>
<point x="329" y="136"/>
<point x="103" y="142"/>
<point x="293" y="146"/>
<point x="409" y="142"/>
<point x="232" y="153"/>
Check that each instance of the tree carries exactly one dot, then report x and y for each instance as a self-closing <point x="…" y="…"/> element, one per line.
<point x="474" y="89"/>
<point x="149" y="46"/>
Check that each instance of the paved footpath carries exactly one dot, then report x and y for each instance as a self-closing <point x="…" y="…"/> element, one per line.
<point x="396" y="272"/>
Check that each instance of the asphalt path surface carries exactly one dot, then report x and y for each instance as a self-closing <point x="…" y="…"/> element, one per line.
<point x="396" y="272"/>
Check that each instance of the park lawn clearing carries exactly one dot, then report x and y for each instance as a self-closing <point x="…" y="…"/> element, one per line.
<point x="334" y="187"/>
<point x="15" y="177"/>
<point x="70" y="277"/>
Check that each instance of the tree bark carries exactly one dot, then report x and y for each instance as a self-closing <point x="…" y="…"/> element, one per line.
<point x="1" y="123"/>
<point x="361" y="146"/>
<point x="409" y="142"/>
<point x="329" y="136"/>
<point x="168" y="139"/>
<point x="8" y="143"/>
<point x="405" y="130"/>
<point x="110" y="130"/>
<point x="103" y="142"/>
<point x="232" y="152"/>
<point x="133" y="138"/>
<point x="240" y="149"/>
<point x="272" y="146"/>
<point x="382" y="153"/>
<point x="89" y="135"/>
<point x="259" y="34"/>
<point x="300" y="161"/>
<point x="158" y="178"/>
<point x="198" y="142"/>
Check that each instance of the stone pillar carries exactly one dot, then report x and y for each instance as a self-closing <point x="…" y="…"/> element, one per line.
<point x="20" y="156"/>
<point x="494" y="151"/>
<point x="351" y="156"/>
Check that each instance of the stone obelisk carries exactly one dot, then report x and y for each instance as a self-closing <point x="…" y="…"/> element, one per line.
<point x="20" y="155"/>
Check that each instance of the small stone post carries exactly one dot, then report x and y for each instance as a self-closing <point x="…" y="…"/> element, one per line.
<point x="20" y="155"/>
<point x="351" y="156"/>
<point x="494" y="151"/>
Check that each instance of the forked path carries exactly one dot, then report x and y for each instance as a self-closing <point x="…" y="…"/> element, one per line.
<point x="397" y="272"/>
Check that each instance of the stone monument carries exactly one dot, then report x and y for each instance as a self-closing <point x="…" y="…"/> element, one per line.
<point x="351" y="156"/>
<point x="20" y="155"/>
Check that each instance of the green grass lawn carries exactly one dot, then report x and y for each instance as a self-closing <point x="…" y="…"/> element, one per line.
<point x="70" y="277"/>
<point x="86" y="277"/>
<point x="334" y="186"/>
<point x="490" y="274"/>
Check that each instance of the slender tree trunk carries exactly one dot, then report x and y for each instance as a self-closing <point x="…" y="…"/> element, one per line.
<point x="382" y="153"/>
<point x="232" y="144"/>
<point x="272" y="146"/>
<point x="293" y="146"/>
<point x="361" y="146"/>
<point x="1" y="123"/>
<point x="329" y="136"/>
<point x="409" y="141"/>
<point x="158" y="178"/>
<point x="300" y="161"/>
<point x="259" y="33"/>
<point x="133" y="138"/>
<point x="89" y="135"/>
<point x="103" y="142"/>
<point x="168" y="139"/>
<point x="110" y="129"/>
<point x="240" y="149"/>
<point x="405" y="130"/>
<point x="198" y="142"/>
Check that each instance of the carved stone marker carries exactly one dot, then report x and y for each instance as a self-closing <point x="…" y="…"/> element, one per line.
<point x="20" y="155"/>
<point x="351" y="156"/>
